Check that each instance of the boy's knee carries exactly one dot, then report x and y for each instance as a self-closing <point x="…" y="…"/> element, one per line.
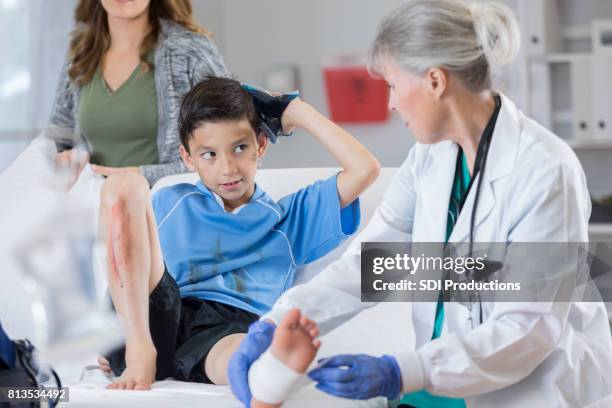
<point x="125" y="187"/>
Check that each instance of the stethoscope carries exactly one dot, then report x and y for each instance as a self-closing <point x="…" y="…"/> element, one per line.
<point x="480" y="165"/>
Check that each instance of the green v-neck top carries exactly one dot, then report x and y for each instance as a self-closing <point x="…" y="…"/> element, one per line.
<point x="121" y="126"/>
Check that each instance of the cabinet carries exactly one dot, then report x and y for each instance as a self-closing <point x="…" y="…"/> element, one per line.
<point x="566" y="61"/>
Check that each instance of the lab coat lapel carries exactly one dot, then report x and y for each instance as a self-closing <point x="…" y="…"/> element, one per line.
<point x="486" y="202"/>
<point x="435" y="189"/>
<point x="500" y="163"/>
<point x="435" y="186"/>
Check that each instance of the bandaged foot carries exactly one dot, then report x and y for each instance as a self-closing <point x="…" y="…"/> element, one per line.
<point x="140" y="367"/>
<point x="279" y="371"/>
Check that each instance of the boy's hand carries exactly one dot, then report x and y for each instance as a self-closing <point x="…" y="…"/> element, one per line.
<point x="107" y="171"/>
<point x="271" y="108"/>
<point x="291" y="117"/>
<point x="72" y="162"/>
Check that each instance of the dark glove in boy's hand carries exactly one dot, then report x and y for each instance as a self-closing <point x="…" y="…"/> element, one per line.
<point x="270" y="109"/>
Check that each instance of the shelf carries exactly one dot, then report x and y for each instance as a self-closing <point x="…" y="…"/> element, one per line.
<point x="577" y="33"/>
<point x="561" y="58"/>
<point x="590" y="144"/>
<point x="564" y="117"/>
<point x="600" y="229"/>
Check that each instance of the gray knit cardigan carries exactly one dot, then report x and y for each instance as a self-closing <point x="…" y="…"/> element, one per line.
<point x="182" y="59"/>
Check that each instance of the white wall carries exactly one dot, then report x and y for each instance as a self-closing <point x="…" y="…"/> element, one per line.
<point x="9" y="149"/>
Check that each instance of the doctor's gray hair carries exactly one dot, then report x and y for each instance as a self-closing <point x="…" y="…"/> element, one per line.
<point x="469" y="39"/>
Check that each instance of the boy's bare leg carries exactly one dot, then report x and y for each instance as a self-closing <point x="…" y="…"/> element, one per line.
<point x="217" y="360"/>
<point x="294" y="345"/>
<point x="135" y="267"/>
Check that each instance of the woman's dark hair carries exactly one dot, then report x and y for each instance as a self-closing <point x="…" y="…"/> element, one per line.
<point x="215" y="100"/>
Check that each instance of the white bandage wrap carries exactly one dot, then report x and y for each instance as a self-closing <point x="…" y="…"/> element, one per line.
<point x="270" y="380"/>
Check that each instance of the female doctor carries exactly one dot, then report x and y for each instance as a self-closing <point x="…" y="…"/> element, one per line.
<point x="438" y="57"/>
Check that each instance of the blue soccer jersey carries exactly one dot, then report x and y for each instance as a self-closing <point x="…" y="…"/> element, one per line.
<point x="248" y="257"/>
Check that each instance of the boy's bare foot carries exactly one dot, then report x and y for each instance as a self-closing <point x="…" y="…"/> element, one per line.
<point x="294" y="341"/>
<point x="139" y="374"/>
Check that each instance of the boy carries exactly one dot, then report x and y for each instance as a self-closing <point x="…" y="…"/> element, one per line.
<point x="229" y="250"/>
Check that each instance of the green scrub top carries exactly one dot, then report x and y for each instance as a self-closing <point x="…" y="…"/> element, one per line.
<point x="461" y="184"/>
<point x="121" y="126"/>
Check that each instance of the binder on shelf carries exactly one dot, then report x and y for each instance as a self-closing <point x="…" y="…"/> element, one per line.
<point x="601" y="35"/>
<point x="580" y="73"/>
<point x="540" y="26"/>
<point x="601" y="83"/>
<point x="540" y="93"/>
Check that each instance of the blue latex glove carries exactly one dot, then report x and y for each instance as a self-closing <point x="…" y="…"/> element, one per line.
<point x="270" y="109"/>
<point x="358" y="376"/>
<point x="257" y="340"/>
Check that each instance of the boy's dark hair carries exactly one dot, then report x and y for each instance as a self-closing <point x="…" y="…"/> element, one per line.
<point x="214" y="100"/>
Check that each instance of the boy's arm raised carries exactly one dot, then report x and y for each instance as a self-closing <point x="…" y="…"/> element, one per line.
<point x="360" y="167"/>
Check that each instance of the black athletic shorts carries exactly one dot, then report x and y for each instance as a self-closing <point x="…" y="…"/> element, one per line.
<point x="184" y="330"/>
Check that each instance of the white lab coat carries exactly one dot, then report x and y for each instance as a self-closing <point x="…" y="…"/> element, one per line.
<point x="523" y="354"/>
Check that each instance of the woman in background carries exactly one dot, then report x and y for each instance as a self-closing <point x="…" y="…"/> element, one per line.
<point x="128" y="66"/>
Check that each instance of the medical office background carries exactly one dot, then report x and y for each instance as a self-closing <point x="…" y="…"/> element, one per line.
<point x="563" y="76"/>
